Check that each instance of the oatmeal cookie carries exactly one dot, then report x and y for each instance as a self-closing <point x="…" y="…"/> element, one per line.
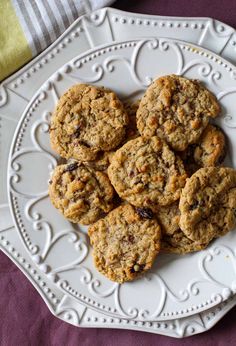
<point x="80" y="193"/>
<point x="177" y="110"/>
<point x="125" y="244"/>
<point x="87" y="119"/>
<point x="173" y="239"/>
<point x="146" y="173"/>
<point x="207" y="203"/>
<point x="211" y="147"/>
<point x="103" y="158"/>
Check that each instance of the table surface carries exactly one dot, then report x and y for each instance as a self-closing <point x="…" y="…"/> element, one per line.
<point x="25" y="319"/>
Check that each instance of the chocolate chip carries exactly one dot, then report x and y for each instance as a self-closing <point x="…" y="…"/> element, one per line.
<point x="145" y="213"/>
<point x="50" y="182"/>
<point x="71" y="167"/>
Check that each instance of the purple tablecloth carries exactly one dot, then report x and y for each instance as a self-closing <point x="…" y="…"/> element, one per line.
<point x="25" y="319"/>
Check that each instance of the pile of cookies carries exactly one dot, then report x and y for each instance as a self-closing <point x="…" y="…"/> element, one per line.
<point x="145" y="176"/>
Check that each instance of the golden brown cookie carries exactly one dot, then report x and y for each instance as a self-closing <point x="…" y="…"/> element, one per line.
<point x="103" y="158"/>
<point x="211" y="147"/>
<point x="146" y="173"/>
<point x="173" y="239"/>
<point x="125" y="244"/>
<point x="207" y="203"/>
<point x="80" y="193"/>
<point x="87" y="119"/>
<point x="176" y="109"/>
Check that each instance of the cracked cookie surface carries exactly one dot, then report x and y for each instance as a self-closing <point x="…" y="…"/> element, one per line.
<point x="146" y="173"/>
<point x="177" y="110"/>
<point x="87" y="120"/>
<point x="207" y="203"/>
<point x="81" y="194"/>
<point x="125" y="245"/>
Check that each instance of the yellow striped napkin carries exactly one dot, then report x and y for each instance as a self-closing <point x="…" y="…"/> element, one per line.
<point x="29" y="26"/>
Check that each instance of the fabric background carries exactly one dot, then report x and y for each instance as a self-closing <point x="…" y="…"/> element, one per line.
<point x="25" y="319"/>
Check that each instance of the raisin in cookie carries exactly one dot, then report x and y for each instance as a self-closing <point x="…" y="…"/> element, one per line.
<point x="80" y="193"/>
<point x="207" y="203"/>
<point x="211" y="147"/>
<point x="173" y="239"/>
<point x="177" y="110"/>
<point x="87" y="120"/>
<point x="146" y="173"/>
<point x="125" y="245"/>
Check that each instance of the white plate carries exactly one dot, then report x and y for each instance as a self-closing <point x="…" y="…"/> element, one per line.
<point x="66" y="308"/>
<point x="177" y="285"/>
<point x="105" y="25"/>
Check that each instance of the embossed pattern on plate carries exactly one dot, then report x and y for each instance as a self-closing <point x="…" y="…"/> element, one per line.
<point x="66" y="308"/>
<point x="45" y="233"/>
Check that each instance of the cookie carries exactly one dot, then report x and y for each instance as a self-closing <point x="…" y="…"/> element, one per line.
<point x="80" y="193"/>
<point x="207" y="203"/>
<point x="176" y="109"/>
<point x="146" y="173"/>
<point x="125" y="244"/>
<point x="173" y="239"/>
<point x="211" y="147"/>
<point x="87" y="120"/>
